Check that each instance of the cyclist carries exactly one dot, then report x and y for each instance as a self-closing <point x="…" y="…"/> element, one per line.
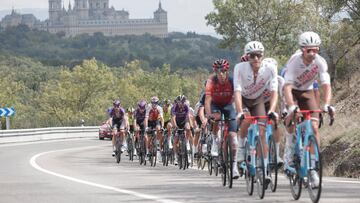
<point x="118" y="122"/>
<point x="302" y="70"/>
<point x="201" y="120"/>
<point x="250" y="81"/>
<point x="139" y="118"/>
<point x="130" y="123"/>
<point x="193" y="125"/>
<point x="180" y="120"/>
<point x="130" y="116"/>
<point x="267" y="97"/>
<point x="167" y="119"/>
<point x="154" y="120"/>
<point x="219" y="99"/>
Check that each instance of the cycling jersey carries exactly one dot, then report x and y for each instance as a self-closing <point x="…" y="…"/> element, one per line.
<point x="154" y="114"/>
<point x="301" y="76"/>
<point x="167" y="114"/>
<point x="139" y="116"/>
<point x="221" y="94"/>
<point x="244" y="79"/>
<point x="131" y="118"/>
<point x="180" y="113"/>
<point x="267" y="91"/>
<point x="117" y="119"/>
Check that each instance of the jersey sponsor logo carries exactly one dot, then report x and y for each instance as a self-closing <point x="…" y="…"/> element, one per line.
<point x="254" y="87"/>
<point x="307" y="76"/>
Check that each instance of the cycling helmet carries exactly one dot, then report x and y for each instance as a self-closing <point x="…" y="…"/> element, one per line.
<point x="167" y="102"/>
<point x="154" y="100"/>
<point x="253" y="46"/>
<point x="244" y="58"/>
<point x="271" y="60"/>
<point x="181" y="98"/>
<point x="130" y="109"/>
<point x="116" y="103"/>
<point x="221" y="64"/>
<point x="309" y="39"/>
<point x="142" y="104"/>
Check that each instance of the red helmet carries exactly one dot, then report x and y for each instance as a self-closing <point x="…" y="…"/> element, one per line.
<point x="221" y="64"/>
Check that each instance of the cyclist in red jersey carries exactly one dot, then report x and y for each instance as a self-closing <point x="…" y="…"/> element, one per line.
<point x="219" y="99"/>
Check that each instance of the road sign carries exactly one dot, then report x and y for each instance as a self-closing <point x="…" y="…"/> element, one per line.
<point x="7" y="112"/>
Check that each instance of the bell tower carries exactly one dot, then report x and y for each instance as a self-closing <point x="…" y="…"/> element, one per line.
<point x="54" y="10"/>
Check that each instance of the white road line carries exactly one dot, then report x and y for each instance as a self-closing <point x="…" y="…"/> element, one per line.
<point x="129" y="192"/>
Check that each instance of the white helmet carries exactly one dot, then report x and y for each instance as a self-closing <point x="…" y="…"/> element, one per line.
<point x="253" y="46"/>
<point x="309" y="39"/>
<point x="271" y="60"/>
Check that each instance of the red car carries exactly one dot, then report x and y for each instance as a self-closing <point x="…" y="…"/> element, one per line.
<point x="104" y="131"/>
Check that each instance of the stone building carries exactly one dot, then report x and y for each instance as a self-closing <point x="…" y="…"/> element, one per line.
<point x="91" y="16"/>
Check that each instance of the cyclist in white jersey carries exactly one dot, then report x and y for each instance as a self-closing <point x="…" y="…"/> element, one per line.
<point x="267" y="98"/>
<point x="250" y="81"/>
<point x="302" y="70"/>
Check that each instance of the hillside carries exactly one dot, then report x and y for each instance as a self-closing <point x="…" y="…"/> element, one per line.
<point x="341" y="142"/>
<point x="189" y="51"/>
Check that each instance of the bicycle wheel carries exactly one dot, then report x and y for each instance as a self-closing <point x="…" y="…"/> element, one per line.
<point x="260" y="169"/>
<point x="216" y="166"/>
<point x="190" y="158"/>
<point x="210" y="165"/>
<point x="229" y="161"/>
<point x="154" y="153"/>
<point x="314" y="190"/>
<point x="118" y="150"/>
<point x="272" y="166"/>
<point x="248" y="177"/>
<point x="185" y="156"/>
<point x="295" y="180"/>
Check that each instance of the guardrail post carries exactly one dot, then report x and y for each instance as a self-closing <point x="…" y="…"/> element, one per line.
<point x="7" y="123"/>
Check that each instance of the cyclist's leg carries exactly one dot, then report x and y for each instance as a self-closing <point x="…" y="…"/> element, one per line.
<point x="176" y="146"/>
<point x="123" y="134"/>
<point x="259" y="110"/>
<point x="169" y="133"/>
<point x="188" y="134"/>
<point x="276" y="133"/>
<point x="159" y="135"/>
<point x="230" y="113"/>
<point x="311" y="104"/>
<point x="215" y="130"/>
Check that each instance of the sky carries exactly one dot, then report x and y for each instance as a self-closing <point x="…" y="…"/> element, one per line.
<point x="183" y="15"/>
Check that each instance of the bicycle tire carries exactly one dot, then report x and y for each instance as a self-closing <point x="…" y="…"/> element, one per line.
<point x="295" y="180"/>
<point x="210" y="166"/>
<point x="229" y="161"/>
<point x="315" y="193"/>
<point x="273" y="166"/>
<point x="248" y="177"/>
<point x="260" y="170"/>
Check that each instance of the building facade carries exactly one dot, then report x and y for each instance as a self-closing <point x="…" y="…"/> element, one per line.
<point x="91" y="16"/>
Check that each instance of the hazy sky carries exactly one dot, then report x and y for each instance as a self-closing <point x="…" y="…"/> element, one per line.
<point x="183" y="15"/>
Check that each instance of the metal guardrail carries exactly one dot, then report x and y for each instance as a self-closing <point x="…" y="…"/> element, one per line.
<point x="35" y="134"/>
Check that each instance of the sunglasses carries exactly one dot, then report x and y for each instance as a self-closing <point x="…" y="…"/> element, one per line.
<point x="315" y="50"/>
<point x="253" y="55"/>
<point x="116" y="106"/>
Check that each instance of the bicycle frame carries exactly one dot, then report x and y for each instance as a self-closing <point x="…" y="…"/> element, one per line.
<point x="305" y="128"/>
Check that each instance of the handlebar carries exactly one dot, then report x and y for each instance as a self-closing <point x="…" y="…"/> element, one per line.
<point x="309" y="112"/>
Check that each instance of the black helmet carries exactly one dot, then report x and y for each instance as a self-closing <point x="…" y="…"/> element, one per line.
<point x="181" y="98"/>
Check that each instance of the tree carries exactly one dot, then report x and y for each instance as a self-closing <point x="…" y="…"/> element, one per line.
<point x="79" y="94"/>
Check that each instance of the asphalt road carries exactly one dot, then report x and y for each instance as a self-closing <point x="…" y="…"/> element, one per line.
<point x="84" y="171"/>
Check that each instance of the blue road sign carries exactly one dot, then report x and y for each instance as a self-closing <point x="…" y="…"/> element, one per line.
<point x="7" y="112"/>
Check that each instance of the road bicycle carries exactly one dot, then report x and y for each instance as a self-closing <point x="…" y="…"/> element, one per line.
<point x="254" y="166"/>
<point x="306" y="149"/>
